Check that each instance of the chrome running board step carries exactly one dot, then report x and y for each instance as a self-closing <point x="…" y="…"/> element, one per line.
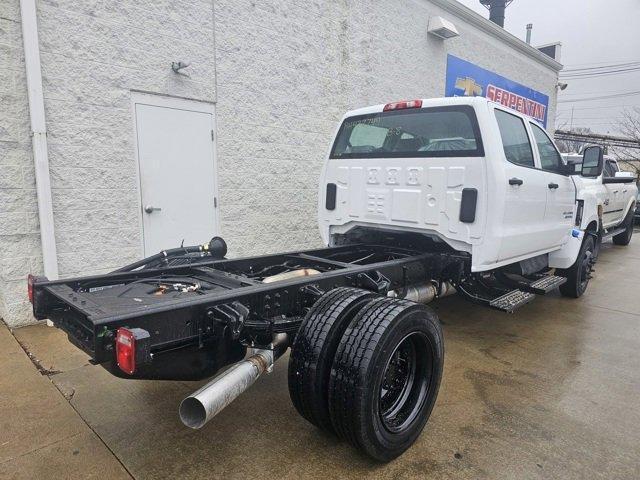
<point x="511" y="300"/>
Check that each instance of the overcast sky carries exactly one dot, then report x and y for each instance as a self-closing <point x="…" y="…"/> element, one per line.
<point x="593" y="33"/>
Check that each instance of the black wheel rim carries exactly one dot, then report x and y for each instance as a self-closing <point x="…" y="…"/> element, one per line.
<point x="405" y="382"/>
<point x="585" y="268"/>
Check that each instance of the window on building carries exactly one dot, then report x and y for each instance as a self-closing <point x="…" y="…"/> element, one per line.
<point x="515" y="140"/>
<point x="550" y="159"/>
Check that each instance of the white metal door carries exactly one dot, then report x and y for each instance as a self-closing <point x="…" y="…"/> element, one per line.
<point x="613" y="204"/>
<point x="524" y="229"/>
<point x="177" y="172"/>
<point x="559" y="214"/>
<point x="561" y="191"/>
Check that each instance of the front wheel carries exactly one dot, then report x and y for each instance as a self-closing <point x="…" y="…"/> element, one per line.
<point x="579" y="274"/>
<point x="385" y="376"/>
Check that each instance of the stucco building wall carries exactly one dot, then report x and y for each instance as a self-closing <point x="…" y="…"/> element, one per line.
<point x="281" y="73"/>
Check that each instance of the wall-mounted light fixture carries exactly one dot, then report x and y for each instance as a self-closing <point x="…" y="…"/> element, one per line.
<point x="177" y="66"/>
<point x="442" y="28"/>
<point x="562" y="85"/>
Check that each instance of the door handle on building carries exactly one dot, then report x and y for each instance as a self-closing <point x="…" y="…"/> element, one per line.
<point x="553" y="186"/>
<point x="151" y="209"/>
<point x="515" y="181"/>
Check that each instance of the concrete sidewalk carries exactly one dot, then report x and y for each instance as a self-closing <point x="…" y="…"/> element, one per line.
<point x="552" y="391"/>
<point x="41" y="435"/>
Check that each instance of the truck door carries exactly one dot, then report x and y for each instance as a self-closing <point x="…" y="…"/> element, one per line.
<point x="612" y="205"/>
<point x="524" y="230"/>
<point x="561" y="191"/>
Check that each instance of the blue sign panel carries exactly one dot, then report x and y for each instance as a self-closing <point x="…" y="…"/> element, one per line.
<point x="467" y="79"/>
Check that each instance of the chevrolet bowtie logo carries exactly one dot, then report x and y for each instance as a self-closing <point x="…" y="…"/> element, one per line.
<point x="469" y="85"/>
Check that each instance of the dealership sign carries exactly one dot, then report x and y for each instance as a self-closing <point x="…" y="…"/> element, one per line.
<point x="466" y="79"/>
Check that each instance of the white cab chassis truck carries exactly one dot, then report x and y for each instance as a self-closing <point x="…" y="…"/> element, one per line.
<point x="417" y="198"/>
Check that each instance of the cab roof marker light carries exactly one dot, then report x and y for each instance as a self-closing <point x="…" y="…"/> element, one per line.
<point x="402" y="105"/>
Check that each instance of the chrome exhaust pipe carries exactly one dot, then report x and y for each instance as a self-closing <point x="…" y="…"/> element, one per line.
<point x="204" y="404"/>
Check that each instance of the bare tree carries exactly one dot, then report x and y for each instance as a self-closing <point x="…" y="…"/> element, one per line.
<point x="629" y="126"/>
<point x="572" y="146"/>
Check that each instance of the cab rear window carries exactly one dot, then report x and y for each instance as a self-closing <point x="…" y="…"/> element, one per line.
<point x="423" y="132"/>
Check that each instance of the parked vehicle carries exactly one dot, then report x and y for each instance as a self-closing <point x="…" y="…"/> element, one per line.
<point x="607" y="202"/>
<point x="637" y="214"/>
<point x="416" y="198"/>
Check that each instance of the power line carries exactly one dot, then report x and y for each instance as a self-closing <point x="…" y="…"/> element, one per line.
<point x="590" y="114"/>
<point x="587" y="119"/>
<point x="591" y="124"/>
<point x="612" y="141"/>
<point x="577" y="76"/>
<point x="574" y="65"/>
<point x="602" y="97"/>
<point x="564" y="94"/>
<point x="601" y="107"/>
<point x="601" y="67"/>
<point x="586" y="114"/>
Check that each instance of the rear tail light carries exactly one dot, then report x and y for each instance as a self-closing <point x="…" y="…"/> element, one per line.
<point x="132" y="348"/>
<point x="126" y="350"/>
<point x="403" y="105"/>
<point x="30" y="281"/>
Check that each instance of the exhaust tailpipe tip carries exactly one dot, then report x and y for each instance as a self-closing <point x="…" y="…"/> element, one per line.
<point x="205" y="403"/>
<point x="192" y="413"/>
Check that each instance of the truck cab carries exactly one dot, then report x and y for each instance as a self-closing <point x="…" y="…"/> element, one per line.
<point x="465" y="172"/>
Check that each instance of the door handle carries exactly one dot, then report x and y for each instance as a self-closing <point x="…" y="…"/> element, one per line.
<point x="151" y="209"/>
<point x="515" y="181"/>
<point x="553" y="186"/>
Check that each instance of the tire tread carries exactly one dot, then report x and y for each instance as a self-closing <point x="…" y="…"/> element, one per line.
<point x="310" y="351"/>
<point x="352" y="361"/>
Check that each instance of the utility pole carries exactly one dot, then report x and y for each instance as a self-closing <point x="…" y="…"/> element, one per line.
<point x="571" y="124"/>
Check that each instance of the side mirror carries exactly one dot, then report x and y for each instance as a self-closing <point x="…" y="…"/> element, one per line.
<point x="592" y="162"/>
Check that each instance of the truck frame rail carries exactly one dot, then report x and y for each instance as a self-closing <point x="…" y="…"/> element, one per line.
<point x="189" y="301"/>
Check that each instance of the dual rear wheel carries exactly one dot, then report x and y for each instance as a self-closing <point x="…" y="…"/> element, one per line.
<point x="368" y="369"/>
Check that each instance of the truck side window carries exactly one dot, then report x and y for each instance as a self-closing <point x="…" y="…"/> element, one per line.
<point x="609" y="169"/>
<point x="550" y="159"/>
<point x="515" y="140"/>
